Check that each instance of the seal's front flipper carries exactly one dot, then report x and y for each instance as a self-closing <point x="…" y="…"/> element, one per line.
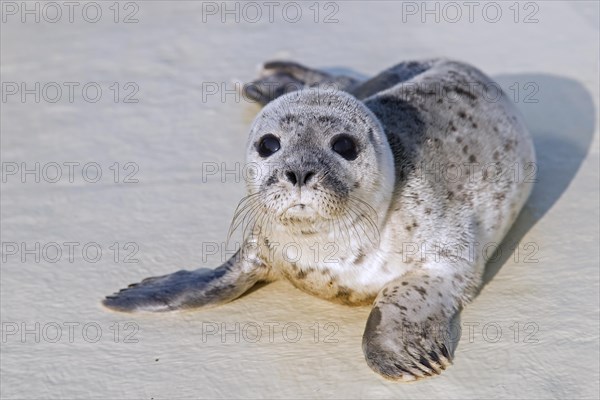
<point x="280" y="77"/>
<point x="189" y="289"/>
<point x="410" y="332"/>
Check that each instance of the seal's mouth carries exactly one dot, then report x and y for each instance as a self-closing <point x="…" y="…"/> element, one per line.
<point x="299" y="213"/>
<point x="299" y="210"/>
<point x="298" y="207"/>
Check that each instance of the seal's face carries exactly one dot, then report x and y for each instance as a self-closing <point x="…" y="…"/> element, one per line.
<point x="322" y="162"/>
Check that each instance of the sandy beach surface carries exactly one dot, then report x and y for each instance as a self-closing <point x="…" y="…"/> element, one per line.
<point x="122" y="147"/>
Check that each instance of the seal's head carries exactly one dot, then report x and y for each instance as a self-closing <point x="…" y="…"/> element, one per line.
<point x="320" y="156"/>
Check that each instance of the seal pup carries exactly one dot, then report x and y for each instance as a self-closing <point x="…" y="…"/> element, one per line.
<point x="407" y="175"/>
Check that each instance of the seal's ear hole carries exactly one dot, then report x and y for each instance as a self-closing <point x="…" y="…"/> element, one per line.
<point x="345" y="146"/>
<point x="268" y="145"/>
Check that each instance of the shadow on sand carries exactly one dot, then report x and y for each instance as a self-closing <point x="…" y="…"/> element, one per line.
<point x="562" y="125"/>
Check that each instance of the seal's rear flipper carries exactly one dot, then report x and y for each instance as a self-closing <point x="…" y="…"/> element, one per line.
<point x="281" y="77"/>
<point x="189" y="289"/>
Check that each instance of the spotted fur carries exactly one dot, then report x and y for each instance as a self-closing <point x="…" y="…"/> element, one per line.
<point x="402" y="229"/>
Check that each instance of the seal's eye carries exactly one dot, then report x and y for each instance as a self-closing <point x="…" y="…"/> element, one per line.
<point x="268" y="145"/>
<point x="345" y="146"/>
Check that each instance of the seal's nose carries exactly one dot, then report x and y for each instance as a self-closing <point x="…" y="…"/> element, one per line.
<point x="299" y="177"/>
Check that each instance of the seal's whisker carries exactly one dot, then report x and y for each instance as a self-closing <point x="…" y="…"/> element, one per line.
<point x="261" y="221"/>
<point x="322" y="177"/>
<point x="353" y="224"/>
<point x="240" y="216"/>
<point x="247" y="213"/>
<point x="253" y="217"/>
<point x="364" y="217"/>
<point x="348" y="232"/>
<point x="370" y="209"/>
<point x="335" y="222"/>
<point x="264" y="222"/>
<point x="337" y="233"/>
<point x="244" y="203"/>
<point x="358" y="212"/>
<point x="366" y="224"/>
<point x="347" y="243"/>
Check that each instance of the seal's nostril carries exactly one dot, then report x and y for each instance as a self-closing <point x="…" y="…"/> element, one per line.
<point x="307" y="177"/>
<point x="300" y="178"/>
<point x="291" y="176"/>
